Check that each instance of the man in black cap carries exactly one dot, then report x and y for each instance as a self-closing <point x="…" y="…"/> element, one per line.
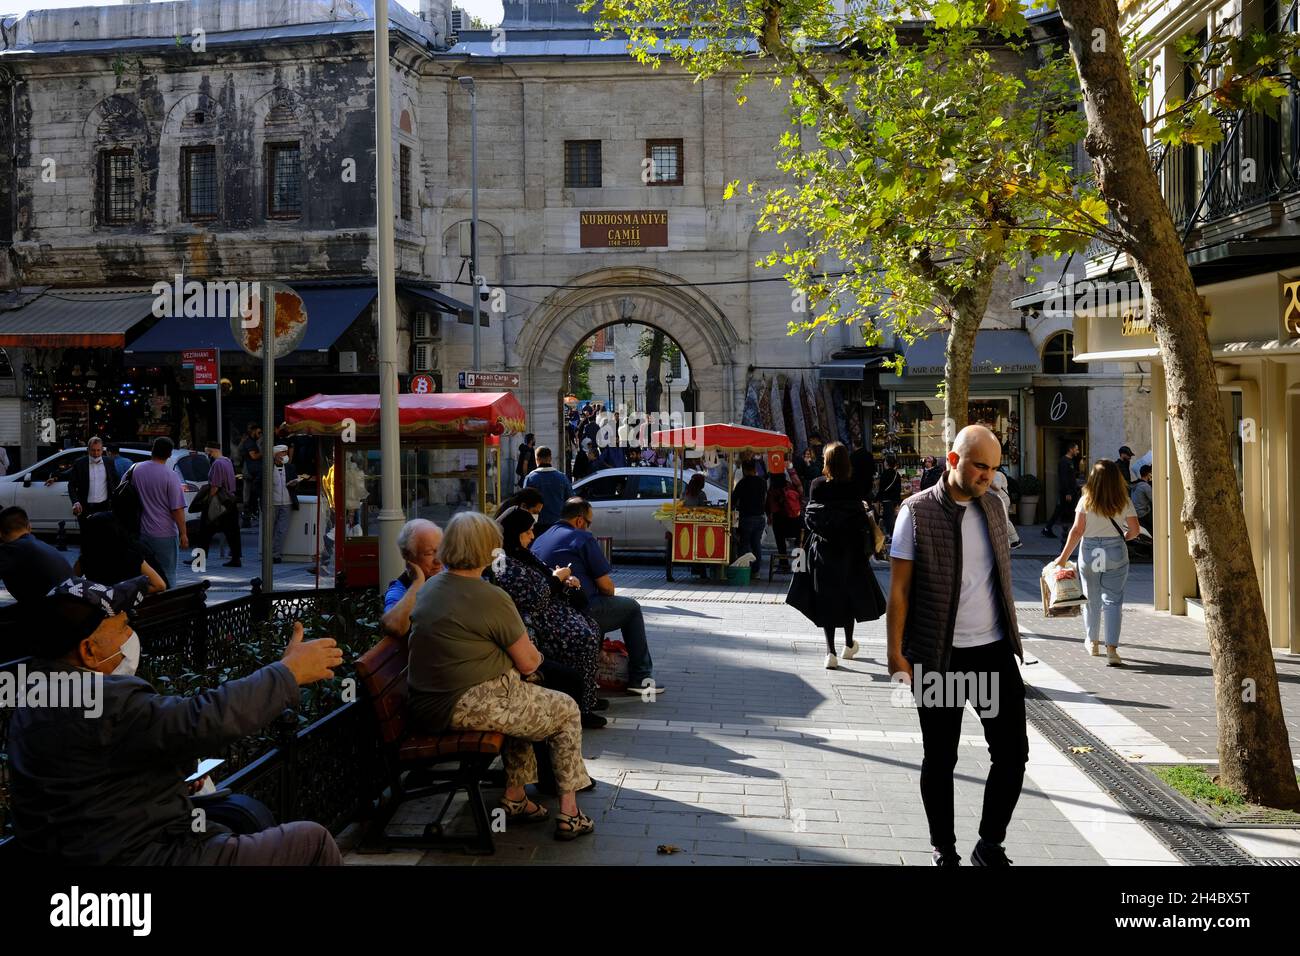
<point x="106" y="784"/>
<point x="1125" y="463"/>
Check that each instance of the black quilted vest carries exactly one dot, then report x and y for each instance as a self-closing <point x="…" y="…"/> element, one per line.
<point x="936" y="574"/>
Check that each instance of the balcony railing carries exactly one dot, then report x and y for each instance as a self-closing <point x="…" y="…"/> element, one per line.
<point x="1257" y="161"/>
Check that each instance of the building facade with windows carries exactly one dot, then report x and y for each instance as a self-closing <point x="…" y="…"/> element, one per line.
<point x="1237" y="205"/>
<point x="601" y="203"/>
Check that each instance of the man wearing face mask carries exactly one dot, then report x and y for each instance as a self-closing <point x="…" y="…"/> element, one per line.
<point x="106" y="784"/>
<point x="284" y="498"/>
<point x="221" y="484"/>
<point x="92" y="483"/>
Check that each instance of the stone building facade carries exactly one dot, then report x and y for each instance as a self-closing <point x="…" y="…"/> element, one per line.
<point x="566" y="125"/>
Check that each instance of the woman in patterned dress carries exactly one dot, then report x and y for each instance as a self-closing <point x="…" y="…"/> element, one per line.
<point x="553" y="608"/>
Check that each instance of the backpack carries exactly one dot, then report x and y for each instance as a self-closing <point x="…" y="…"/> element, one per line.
<point x="127" y="506"/>
<point x="791" y="503"/>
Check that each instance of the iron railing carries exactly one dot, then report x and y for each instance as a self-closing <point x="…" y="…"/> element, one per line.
<point x="327" y="771"/>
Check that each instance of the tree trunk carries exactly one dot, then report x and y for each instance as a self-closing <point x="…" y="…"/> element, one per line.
<point x="968" y="308"/>
<point x="1254" y="748"/>
<point x="652" y="387"/>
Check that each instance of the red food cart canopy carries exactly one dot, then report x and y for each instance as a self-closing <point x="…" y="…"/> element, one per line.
<point x="722" y="438"/>
<point x="460" y="413"/>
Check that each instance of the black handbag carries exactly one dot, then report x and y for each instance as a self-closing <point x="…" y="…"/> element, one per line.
<point x="1139" y="550"/>
<point x="127" y="506"/>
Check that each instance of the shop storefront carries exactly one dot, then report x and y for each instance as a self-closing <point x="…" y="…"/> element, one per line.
<point x="1002" y="366"/>
<point x="1254" y="329"/>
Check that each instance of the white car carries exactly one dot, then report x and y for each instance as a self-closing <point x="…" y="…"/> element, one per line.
<point x="625" y="499"/>
<point x="46" y="502"/>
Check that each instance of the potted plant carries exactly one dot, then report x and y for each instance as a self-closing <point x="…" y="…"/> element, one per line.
<point x="1027" y="509"/>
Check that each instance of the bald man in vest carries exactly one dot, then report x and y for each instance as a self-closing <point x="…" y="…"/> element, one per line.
<point x="952" y="634"/>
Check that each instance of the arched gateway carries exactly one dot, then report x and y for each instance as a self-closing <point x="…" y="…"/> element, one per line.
<point x="559" y="324"/>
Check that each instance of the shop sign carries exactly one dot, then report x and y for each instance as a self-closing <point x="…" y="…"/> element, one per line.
<point x="1061" y="407"/>
<point x="423" y="385"/>
<point x="1291" y="309"/>
<point x="608" y="228"/>
<point x="204" y="363"/>
<point x="1136" y="321"/>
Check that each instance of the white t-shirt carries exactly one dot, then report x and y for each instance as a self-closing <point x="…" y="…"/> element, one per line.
<point x="977" y="608"/>
<point x="1101" y="527"/>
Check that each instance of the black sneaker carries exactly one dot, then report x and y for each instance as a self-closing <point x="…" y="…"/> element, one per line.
<point x="1049" y="533"/>
<point x="948" y="857"/>
<point x="602" y="703"/>
<point x="593" y="721"/>
<point x="988" y="854"/>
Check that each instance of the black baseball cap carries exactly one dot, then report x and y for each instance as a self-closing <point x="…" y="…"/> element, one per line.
<point x="1125" y="450"/>
<point x="75" y="608"/>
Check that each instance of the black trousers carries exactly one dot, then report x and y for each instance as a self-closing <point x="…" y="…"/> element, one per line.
<point x="1064" y="512"/>
<point x="88" y="510"/>
<point x="989" y="673"/>
<point x="227" y="524"/>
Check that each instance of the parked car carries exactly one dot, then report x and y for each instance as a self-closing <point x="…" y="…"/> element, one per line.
<point x="625" y="499"/>
<point x="46" y="502"/>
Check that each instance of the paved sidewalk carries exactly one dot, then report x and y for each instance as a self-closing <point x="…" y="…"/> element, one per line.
<point x="757" y="754"/>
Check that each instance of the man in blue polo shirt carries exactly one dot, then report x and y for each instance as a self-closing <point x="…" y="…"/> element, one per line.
<point x="571" y="544"/>
<point x="418" y="541"/>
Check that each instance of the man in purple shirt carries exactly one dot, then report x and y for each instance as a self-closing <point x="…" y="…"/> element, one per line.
<point x="221" y="485"/>
<point x="162" y="509"/>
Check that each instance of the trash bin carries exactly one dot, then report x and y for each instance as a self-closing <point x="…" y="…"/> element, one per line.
<point x="738" y="576"/>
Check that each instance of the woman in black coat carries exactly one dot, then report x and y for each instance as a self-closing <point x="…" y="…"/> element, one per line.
<point x="838" y="589"/>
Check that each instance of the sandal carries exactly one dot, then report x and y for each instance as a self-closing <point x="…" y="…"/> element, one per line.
<point x="518" y="810"/>
<point x="571" y="827"/>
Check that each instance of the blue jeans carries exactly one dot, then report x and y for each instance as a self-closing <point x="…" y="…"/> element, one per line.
<point x="1103" y="565"/>
<point x="614" y="613"/>
<point x="161" y="553"/>
<point x="751" y="538"/>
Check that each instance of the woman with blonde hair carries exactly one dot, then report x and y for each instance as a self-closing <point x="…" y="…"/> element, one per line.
<point x="1103" y="560"/>
<point x="470" y="655"/>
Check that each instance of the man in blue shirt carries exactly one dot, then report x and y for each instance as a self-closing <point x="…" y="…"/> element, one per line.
<point x="553" y="485"/>
<point x="418" y="541"/>
<point x="571" y="544"/>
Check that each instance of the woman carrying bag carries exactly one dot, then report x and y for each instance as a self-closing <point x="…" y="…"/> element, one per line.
<point x="1104" y="520"/>
<point x="838" y="587"/>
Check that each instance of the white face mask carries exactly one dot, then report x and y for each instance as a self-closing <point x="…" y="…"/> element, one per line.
<point x="130" y="652"/>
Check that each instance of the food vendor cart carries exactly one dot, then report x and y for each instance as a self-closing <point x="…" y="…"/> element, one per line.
<point x="450" y="461"/>
<point x="703" y="535"/>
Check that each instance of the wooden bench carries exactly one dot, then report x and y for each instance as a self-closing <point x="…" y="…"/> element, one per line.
<point x="418" y="765"/>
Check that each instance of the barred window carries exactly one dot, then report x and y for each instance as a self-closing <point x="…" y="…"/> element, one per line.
<point x="283" y="180"/>
<point x="404" y="182"/>
<point x="665" y="156"/>
<point x="200" y="171"/>
<point x="582" y="164"/>
<point x="116" y="187"/>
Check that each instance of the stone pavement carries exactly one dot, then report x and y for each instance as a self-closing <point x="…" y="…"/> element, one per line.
<point x="756" y="754"/>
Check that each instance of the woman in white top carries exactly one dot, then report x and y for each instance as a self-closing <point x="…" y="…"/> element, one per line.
<point x="1103" y="520"/>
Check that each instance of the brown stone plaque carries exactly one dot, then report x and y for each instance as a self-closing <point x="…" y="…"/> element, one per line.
<point x="620" y="228"/>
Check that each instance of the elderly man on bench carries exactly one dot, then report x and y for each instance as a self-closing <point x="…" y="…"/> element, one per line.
<point x="103" y="784"/>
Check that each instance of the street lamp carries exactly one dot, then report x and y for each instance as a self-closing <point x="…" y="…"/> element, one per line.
<point x="390" y="491"/>
<point x="668" y="405"/>
<point x="622" y="391"/>
<point x="467" y="83"/>
<point x="609" y="389"/>
<point x="636" y="399"/>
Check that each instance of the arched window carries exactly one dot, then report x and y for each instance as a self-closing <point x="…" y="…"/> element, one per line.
<point x="1058" y="356"/>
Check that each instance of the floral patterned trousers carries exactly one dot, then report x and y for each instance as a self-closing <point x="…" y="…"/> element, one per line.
<point x="526" y="713"/>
